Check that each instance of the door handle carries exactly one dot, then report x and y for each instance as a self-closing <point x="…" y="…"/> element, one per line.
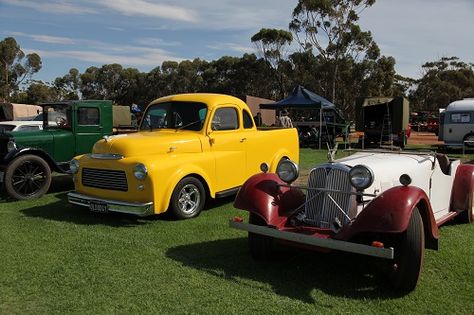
<point x="243" y="139"/>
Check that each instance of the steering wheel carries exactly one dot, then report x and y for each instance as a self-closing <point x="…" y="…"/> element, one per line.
<point x="61" y="121"/>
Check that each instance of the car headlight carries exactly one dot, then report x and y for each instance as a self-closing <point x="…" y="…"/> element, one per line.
<point x="74" y="166"/>
<point x="140" y="171"/>
<point x="287" y="171"/>
<point x="361" y="177"/>
<point x="11" y="146"/>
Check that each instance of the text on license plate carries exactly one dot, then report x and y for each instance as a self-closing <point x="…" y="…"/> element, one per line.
<point x="98" y="206"/>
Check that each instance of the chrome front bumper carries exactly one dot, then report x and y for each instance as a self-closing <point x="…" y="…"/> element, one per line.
<point x="387" y="253"/>
<point x="139" y="209"/>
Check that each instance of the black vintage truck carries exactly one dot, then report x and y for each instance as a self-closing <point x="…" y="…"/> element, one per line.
<point x="70" y="128"/>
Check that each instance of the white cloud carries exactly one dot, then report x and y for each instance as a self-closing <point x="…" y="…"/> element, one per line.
<point x="233" y="47"/>
<point x="149" y="41"/>
<point x="52" y="6"/>
<point x="45" y="38"/>
<point x="148" y="8"/>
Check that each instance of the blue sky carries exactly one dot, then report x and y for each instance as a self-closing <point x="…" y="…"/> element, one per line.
<point x="143" y="33"/>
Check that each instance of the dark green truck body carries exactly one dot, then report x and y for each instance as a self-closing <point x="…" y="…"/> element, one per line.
<point x="69" y="129"/>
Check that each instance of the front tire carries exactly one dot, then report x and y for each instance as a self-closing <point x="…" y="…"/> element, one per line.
<point x="409" y="252"/>
<point x="27" y="177"/>
<point x="260" y="245"/>
<point x="188" y="198"/>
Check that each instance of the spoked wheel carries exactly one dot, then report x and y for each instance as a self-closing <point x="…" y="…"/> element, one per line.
<point x="409" y="251"/>
<point x="27" y="177"/>
<point x="260" y="245"/>
<point x="188" y="198"/>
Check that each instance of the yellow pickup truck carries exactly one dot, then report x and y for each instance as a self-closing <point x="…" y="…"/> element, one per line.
<point x="189" y="147"/>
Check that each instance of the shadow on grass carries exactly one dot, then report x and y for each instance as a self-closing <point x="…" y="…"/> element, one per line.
<point x="293" y="272"/>
<point x="61" y="210"/>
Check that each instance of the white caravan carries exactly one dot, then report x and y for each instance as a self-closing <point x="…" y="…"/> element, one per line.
<point x="457" y="123"/>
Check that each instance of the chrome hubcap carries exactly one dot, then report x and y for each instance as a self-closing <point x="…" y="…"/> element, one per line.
<point x="189" y="199"/>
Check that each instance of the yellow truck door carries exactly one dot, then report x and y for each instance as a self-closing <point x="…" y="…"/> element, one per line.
<point x="227" y="144"/>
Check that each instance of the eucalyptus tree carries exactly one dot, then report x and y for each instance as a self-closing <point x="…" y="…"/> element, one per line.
<point x="444" y="81"/>
<point x="16" y="67"/>
<point x="330" y="28"/>
<point x="273" y="45"/>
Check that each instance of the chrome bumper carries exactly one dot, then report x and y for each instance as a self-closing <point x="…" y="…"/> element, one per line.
<point x="387" y="253"/>
<point x="139" y="209"/>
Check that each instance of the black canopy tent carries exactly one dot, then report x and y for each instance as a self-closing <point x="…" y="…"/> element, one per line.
<point x="302" y="98"/>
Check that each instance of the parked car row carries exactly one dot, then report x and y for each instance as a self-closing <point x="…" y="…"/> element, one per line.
<point x="192" y="147"/>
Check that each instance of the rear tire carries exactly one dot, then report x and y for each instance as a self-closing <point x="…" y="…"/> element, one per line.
<point x="469" y="137"/>
<point x="409" y="252"/>
<point x="468" y="215"/>
<point x="27" y="177"/>
<point x="260" y="245"/>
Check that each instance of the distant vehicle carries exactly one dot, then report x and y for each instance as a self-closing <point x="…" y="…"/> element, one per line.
<point x="383" y="120"/>
<point x="69" y="128"/>
<point x="457" y="124"/>
<point x="20" y="125"/>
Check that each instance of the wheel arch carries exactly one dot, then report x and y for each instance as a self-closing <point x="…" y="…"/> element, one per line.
<point x="398" y="204"/>
<point x="180" y="175"/>
<point x="33" y="151"/>
<point x="463" y="187"/>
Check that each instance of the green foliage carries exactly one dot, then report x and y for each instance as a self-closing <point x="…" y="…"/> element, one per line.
<point x="444" y="81"/>
<point x="15" y="67"/>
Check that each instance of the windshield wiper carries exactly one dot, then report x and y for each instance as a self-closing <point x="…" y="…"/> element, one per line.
<point x="190" y="124"/>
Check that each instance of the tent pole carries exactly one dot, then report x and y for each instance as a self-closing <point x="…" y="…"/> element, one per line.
<point x="320" y="125"/>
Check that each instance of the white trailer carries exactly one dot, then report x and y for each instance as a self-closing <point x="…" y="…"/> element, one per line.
<point x="457" y="124"/>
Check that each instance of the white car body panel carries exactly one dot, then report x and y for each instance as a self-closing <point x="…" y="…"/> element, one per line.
<point x="387" y="168"/>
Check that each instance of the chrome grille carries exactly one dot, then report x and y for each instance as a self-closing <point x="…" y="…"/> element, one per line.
<point x="104" y="179"/>
<point x="323" y="208"/>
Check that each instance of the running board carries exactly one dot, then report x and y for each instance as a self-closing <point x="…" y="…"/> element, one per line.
<point x="387" y="253"/>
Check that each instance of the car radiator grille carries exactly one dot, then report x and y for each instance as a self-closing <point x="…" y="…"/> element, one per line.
<point x="104" y="179"/>
<point x="324" y="208"/>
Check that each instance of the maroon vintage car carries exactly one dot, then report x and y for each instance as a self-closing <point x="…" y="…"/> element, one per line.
<point x="384" y="204"/>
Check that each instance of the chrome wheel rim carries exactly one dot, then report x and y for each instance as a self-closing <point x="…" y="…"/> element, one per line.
<point x="189" y="199"/>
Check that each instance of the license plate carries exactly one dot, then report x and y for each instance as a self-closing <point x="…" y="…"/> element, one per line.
<point x="98" y="206"/>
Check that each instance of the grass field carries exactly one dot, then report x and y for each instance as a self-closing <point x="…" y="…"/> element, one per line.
<point x="56" y="258"/>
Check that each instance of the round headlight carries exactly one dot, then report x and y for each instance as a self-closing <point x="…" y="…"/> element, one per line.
<point x="74" y="166"/>
<point x="287" y="171"/>
<point x="11" y="146"/>
<point x="140" y="171"/>
<point x="361" y="177"/>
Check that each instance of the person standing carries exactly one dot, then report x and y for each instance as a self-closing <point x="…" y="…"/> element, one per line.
<point x="285" y="120"/>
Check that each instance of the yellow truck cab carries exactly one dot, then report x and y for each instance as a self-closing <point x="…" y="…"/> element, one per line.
<point x="189" y="147"/>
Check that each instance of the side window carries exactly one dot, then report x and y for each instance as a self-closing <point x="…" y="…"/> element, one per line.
<point x="225" y="119"/>
<point x="28" y="128"/>
<point x="88" y="116"/>
<point x="461" y="118"/>
<point x="248" y="123"/>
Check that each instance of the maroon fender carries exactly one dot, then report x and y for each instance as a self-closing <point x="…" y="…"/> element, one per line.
<point x="262" y="195"/>
<point x="390" y="212"/>
<point x="463" y="186"/>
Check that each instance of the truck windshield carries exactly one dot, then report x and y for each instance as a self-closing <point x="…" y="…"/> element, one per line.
<point x="175" y="115"/>
<point x="57" y="115"/>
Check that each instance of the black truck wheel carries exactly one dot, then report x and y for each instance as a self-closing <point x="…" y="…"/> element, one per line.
<point x="188" y="198"/>
<point x="409" y="251"/>
<point x="260" y="245"/>
<point x="27" y="177"/>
